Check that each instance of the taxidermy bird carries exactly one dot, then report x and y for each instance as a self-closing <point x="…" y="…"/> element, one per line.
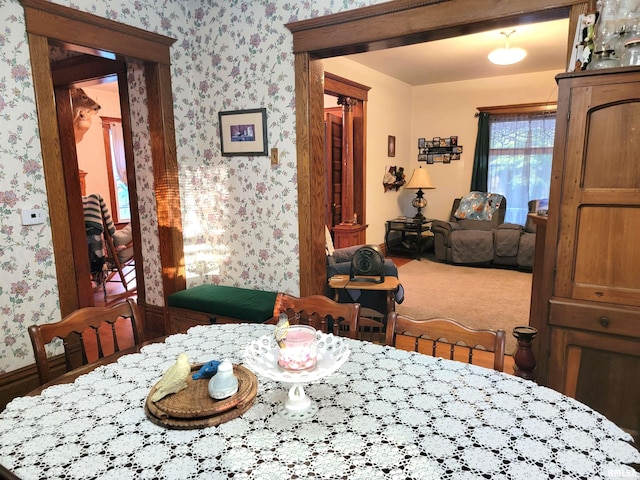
<point x="282" y="327"/>
<point x="174" y="379"/>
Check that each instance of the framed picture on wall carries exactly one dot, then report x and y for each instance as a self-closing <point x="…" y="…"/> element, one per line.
<point x="243" y="132"/>
<point x="422" y="143"/>
<point x="391" y="146"/>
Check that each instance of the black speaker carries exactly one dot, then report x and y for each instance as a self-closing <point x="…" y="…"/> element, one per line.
<point x="367" y="265"/>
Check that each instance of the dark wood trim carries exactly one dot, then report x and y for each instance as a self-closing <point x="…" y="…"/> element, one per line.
<point x="520" y="108"/>
<point x="165" y="174"/>
<point x="403" y="22"/>
<point x="396" y="23"/>
<point x="93" y="34"/>
<point x="21" y="381"/>
<point x="335" y="85"/>
<point x="91" y="69"/>
<point x="154" y="319"/>
<point x="310" y="142"/>
<point x="125" y="116"/>
<point x="80" y="31"/>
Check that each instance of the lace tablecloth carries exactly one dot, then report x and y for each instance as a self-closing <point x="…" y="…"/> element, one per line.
<point x="386" y="413"/>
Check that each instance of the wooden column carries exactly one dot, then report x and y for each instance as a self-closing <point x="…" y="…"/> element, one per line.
<point x="347" y="158"/>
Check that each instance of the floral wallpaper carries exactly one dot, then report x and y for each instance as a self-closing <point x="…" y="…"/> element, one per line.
<point x="239" y="213"/>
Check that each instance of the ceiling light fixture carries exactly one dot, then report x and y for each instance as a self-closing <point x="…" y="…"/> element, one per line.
<point x="506" y="55"/>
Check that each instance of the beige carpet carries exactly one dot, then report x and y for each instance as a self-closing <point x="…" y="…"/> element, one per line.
<point x="479" y="297"/>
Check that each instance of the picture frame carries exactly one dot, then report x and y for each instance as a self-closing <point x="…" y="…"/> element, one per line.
<point x="422" y="157"/>
<point x="243" y="132"/>
<point x="422" y="143"/>
<point x="454" y="140"/>
<point x="430" y="159"/>
<point x="391" y="146"/>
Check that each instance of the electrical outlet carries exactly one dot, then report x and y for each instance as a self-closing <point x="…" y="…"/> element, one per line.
<point x="274" y="156"/>
<point x="33" y="217"/>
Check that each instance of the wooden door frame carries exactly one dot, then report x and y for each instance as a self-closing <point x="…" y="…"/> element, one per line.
<point x="64" y="26"/>
<point x="337" y="86"/>
<point x="389" y="24"/>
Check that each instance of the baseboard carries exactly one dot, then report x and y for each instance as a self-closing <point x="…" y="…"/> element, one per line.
<point x="19" y="382"/>
<point x="153" y="320"/>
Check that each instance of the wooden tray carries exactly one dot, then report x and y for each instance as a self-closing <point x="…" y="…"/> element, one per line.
<point x="194" y="408"/>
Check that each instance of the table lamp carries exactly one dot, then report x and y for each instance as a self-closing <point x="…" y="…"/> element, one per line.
<point x="420" y="179"/>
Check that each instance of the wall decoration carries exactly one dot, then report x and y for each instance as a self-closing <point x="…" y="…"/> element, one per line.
<point x="439" y="149"/>
<point x="394" y="178"/>
<point x="243" y="132"/>
<point x="391" y="146"/>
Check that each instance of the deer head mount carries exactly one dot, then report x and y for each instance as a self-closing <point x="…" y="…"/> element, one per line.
<point x="84" y="108"/>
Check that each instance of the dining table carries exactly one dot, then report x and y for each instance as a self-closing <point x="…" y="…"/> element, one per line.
<point x="385" y="413"/>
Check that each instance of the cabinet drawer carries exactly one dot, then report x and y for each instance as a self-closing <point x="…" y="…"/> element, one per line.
<point x="615" y="320"/>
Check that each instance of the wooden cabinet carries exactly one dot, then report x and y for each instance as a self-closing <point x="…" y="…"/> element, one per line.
<point x="588" y="293"/>
<point x="348" y="235"/>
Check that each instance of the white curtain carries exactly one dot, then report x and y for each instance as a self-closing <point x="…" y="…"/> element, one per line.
<point x="117" y="151"/>
<point x="520" y="156"/>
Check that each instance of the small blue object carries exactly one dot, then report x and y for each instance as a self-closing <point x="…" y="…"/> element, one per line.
<point x="207" y="370"/>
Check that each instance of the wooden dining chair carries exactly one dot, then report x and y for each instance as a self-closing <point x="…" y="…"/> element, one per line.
<point x="322" y="313"/>
<point x="88" y="334"/>
<point x="444" y="337"/>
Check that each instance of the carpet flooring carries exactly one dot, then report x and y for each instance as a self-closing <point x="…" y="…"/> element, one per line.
<point x="480" y="297"/>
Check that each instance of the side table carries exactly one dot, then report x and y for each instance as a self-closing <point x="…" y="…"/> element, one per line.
<point x="390" y="284"/>
<point x="415" y="233"/>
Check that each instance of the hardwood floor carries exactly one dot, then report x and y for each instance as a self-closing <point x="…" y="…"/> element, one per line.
<point x="488" y="362"/>
<point x="115" y="291"/>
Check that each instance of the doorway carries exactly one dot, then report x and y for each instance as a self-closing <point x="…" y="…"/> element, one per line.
<point x="104" y="38"/>
<point x="345" y="160"/>
<point x="370" y="28"/>
<point x="87" y="155"/>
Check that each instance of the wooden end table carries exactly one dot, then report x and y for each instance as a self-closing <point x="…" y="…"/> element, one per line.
<point x="414" y="232"/>
<point x="390" y="285"/>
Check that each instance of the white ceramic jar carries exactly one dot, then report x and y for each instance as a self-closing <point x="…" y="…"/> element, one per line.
<point x="224" y="383"/>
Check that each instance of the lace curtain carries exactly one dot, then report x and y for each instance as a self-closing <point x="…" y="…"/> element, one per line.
<point x="520" y="157"/>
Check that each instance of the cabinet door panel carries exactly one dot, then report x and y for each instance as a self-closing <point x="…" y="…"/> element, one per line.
<point x="599" y="371"/>
<point x="607" y="257"/>
<point x="612" y="163"/>
<point x="599" y="212"/>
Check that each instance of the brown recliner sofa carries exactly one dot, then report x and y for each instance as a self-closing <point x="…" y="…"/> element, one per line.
<point x="484" y="242"/>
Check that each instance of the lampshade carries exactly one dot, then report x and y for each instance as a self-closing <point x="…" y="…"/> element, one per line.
<point x="506" y="55"/>
<point x="420" y="179"/>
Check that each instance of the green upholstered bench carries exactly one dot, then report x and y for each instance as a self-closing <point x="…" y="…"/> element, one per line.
<point x="210" y="304"/>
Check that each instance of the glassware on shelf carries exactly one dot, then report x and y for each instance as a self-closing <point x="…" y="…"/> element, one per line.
<point x="631" y="54"/>
<point x="603" y="60"/>
<point x="607" y="27"/>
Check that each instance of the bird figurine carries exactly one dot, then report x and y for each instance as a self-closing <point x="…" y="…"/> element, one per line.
<point x="207" y="370"/>
<point x="282" y="327"/>
<point x="174" y="379"/>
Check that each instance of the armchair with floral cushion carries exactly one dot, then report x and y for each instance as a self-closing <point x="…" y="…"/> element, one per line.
<point x="477" y="235"/>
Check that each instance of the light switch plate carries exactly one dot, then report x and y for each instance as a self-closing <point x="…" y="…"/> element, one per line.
<point x="274" y="156"/>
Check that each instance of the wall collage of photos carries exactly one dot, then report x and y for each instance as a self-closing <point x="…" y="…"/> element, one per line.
<point x="439" y="149"/>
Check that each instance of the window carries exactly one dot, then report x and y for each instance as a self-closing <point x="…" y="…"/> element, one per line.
<point x="520" y="156"/>
<point x="116" y="169"/>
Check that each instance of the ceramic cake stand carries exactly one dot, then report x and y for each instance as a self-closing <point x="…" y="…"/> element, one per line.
<point x="261" y="356"/>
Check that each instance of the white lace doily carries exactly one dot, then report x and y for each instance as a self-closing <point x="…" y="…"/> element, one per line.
<point x="385" y="413"/>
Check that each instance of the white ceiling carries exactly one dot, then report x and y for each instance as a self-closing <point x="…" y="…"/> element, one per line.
<point x="465" y="58"/>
